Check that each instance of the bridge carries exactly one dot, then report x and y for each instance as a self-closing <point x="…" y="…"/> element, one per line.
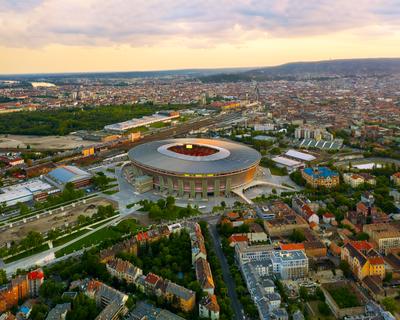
<point x="258" y="183"/>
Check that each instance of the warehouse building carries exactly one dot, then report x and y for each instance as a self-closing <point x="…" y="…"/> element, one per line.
<point x="69" y="174"/>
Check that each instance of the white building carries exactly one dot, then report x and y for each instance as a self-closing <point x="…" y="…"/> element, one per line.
<point x="290" y="164"/>
<point x="26" y="192"/>
<point x="290" y="264"/>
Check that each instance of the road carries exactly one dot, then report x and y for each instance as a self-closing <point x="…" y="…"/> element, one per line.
<point x="235" y="303"/>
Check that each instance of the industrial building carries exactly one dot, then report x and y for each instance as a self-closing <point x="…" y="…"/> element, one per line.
<point x="29" y="191"/>
<point x="69" y="174"/>
<point x="161" y="116"/>
<point x="195" y="167"/>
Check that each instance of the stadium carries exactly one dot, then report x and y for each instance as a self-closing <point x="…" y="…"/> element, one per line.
<point x="194" y="167"/>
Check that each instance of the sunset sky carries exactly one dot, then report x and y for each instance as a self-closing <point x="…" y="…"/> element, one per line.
<point x="126" y="35"/>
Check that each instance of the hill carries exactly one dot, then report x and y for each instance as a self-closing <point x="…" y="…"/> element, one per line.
<point x="315" y="69"/>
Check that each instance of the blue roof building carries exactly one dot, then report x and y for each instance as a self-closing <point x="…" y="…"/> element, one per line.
<point x="320" y="177"/>
<point x="69" y="174"/>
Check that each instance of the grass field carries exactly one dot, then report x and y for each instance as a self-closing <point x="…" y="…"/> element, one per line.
<point x="103" y="234"/>
<point x="28" y="253"/>
<point x="92" y="239"/>
<point x="69" y="237"/>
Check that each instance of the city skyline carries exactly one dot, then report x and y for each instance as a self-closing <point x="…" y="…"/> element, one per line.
<point x="74" y="36"/>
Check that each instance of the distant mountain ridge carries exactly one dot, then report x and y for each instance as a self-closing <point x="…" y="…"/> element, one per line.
<point x="326" y="68"/>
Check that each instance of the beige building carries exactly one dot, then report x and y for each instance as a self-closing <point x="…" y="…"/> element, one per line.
<point x="357" y="179"/>
<point x="384" y="235"/>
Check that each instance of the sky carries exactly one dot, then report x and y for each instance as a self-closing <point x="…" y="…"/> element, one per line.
<point x="40" y="36"/>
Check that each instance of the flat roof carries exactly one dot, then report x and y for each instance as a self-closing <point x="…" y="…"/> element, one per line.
<point x="24" y="189"/>
<point x="240" y="157"/>
<point x="300" y="155"/>
<point x="67" y="174"/>
<point x="286" y="161"/>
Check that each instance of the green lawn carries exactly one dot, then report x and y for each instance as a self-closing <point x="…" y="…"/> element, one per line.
<point x="344" y="297"/>
<point x="110" y="192"/>
<point x="276" y="171"/>
<point x="103" y="234"/>
<point x="93" y="239"/>
<point x="69" y="237"/>
<point x="28" y="253"/>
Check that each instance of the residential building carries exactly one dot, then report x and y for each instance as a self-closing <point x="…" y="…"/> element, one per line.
<point x="35" y="280"/>
<point x="357" y="179"/>
<point x="111" y="300"/>
<point x="197" y="243"/>
<point x="396" y="178"/>
<point x="17" y="289"/>
<point x="59" y="312"/>
<point x="285" y="220"/>
<point x="129" y="246"/>
<point x="328" y="218"/>
<point x="181" y="297"/>
<point x="245" y="253"/>
<point x="145" y="311"/>
<point x="289" y="264"/>
<point x="385" y="236"/>
<point x="204" y="275"/>
<point x="363" y="259"/>
<point x="321" y="177"/>
<point x="123" y="270"/>
<point x="209" y="307"/>
<point x="301" y="206"/>
<point x="237" y="238"/>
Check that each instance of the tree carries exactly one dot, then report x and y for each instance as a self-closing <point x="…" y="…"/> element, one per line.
<point x="303" y="293"/>
<point x="297" y="236"/>
<point x="362" y="236"/>
<point x="83" y="308"/>
<point x="323" y="308"/>
<point x="53" y="234"/>
<point x="39" y="311"/>
<point x="23" y="208"/>
<point x="345" y="267"/>
<point x="32" y="240"/>
<point x="3" y="277"/>
<point x="390" y="305"/>
<point x="51" y="290"/>
<point x="388" y="277"/>
<point x="170" y="202"/>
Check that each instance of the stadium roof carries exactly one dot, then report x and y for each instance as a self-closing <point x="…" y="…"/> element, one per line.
<point x="67" y="174"/>
<point x="321" y="144"/>
<point x="238" y="157"/>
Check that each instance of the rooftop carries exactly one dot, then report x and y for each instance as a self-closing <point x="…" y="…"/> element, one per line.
<point x="320" y="172"/>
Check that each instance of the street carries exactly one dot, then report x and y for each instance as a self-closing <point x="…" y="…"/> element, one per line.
<point x="235" y="303"/>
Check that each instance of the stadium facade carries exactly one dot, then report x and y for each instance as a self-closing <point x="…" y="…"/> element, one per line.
<point x="195" y="167"/>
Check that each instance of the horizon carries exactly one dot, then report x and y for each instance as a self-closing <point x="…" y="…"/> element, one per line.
<point x="192" y="69"/>
<point x="60" y="36"/>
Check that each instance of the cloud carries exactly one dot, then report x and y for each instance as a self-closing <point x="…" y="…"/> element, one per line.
<point x="199" y="23"/>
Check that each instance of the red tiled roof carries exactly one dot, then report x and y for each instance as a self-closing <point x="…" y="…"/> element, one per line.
<point x="36" y="275"/>
<point x="238" y="238"/>
<point x="307" y="210"/>
<point x="328" y="215"/>
<point x="397" y="174"/>
<point x="142" y="236"/>
<point x="152" y="278"/>
<point x="376" y="260"/>
<point x="292" y="246"/>
<point x="361" y="245"/>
